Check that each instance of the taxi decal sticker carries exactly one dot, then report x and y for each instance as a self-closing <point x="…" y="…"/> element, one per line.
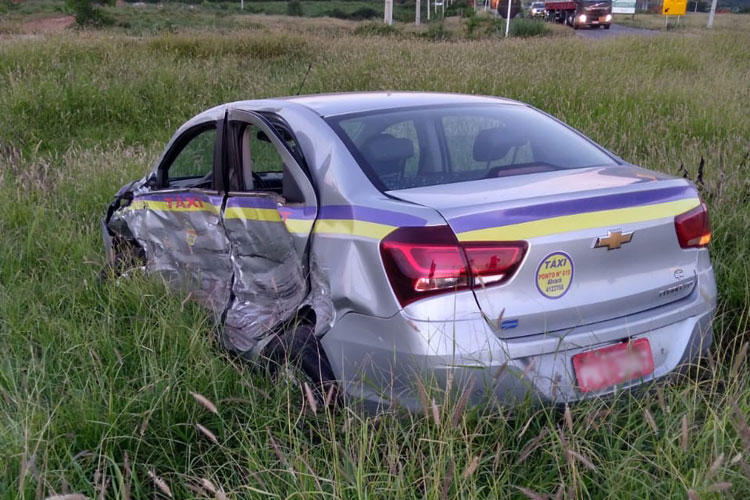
<point x="554" y="275"/>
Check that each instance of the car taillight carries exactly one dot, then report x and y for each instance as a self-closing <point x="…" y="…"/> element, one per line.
<point x="492" y="263"/>
<point x="424" y="261"/>
<point x="693" y="227"/>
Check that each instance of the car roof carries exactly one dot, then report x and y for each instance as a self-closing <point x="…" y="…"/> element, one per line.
<point x="358" y="102"/>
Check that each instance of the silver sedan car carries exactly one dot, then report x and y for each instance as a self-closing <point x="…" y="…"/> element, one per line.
<point x="390" y="236"/>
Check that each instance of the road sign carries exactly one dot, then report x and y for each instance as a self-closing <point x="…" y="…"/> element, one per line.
<point x="623" y="6"/>
<point x="674" y="7"/>
<point x="515" y="8"/>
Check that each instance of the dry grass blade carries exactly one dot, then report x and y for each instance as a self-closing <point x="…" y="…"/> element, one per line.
<point x="462" y="402"/>
<point x="447" y="481"/>
<point x="71" y="496"/>
<point x="277" y="451"/>
<point x="660" y="398"/>
<point x="471" y="468"/>
<point x="531" y="446"/>
<point x="739" y="361"/>
<point x="715" y="466"/>
<point x="585" y="461"/>
<point x="559" y="493"/>
<point x="218" y="493"/>
<point x="205" y="402"/>
<point x="692" y="495"/>
<point x="736" y="459"/>
<point x="685" y="441"/>
<point x="127" y="475"/>
<point x="435" y="413"/>
<point x="330" y="395"/>
<point x="717" y="487"/>
<point x="210" y="435"/>
<point x="423" y="398"/>
<point x="650" y="421"/>
<point x="531" y="494"/>
<point x="310" y="397"/>
<point x="568" y="419"/>
<point x="160" y="484"/>
<point x="500" y="370"/>
<point x="742" y="427"/>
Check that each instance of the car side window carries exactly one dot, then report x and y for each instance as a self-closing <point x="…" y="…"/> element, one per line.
<point x="196" y="158"/>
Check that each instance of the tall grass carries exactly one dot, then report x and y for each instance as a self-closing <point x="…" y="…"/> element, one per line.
<point x="97" y="380"/>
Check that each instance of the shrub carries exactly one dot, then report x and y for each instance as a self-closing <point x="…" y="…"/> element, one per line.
<point x="523" y="27"/>
<point x="294" y="8"/>
<point x="88" y="13"/>
<point x="437" y="32"/>
<point x="375" y="29"/>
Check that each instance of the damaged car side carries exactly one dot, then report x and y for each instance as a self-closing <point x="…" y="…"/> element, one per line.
<point x="384" y="236"/>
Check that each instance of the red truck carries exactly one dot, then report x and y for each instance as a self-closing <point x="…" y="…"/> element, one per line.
<point x="580" y="13"/>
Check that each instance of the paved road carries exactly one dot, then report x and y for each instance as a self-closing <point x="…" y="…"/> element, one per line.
<point x="615" y="31"/>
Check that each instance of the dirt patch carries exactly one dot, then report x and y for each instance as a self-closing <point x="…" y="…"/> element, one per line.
<point x="47" y="24"/>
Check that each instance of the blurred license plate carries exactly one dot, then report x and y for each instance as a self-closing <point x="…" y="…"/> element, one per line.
<point x="612" y="365"/>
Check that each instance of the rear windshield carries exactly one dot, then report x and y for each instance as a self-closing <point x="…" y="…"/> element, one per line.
<point x="415" y="147"/>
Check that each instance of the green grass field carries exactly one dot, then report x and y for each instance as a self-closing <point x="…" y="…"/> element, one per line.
<point x="96" y="380"/>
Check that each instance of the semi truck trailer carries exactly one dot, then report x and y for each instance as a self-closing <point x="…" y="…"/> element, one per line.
<point x="580" y="13"/>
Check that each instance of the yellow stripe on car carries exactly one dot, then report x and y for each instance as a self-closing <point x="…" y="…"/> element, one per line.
<point x="264" y="214"/>
<point x="577" y="222"/>
<point x="353" y="227"/>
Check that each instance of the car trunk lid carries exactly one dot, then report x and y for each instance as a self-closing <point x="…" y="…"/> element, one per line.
<point x="602" y="243"/>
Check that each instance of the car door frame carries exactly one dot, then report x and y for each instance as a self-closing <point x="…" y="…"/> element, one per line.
<point x="159" y="179"/>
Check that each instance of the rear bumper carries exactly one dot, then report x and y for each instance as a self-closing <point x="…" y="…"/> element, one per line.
<point x="377" y="360"/>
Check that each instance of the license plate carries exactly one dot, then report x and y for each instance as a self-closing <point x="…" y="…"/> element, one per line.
<point x="613" y="365"/>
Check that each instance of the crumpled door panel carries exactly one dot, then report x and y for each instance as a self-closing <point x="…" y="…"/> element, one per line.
<point x="233" y="254"/>
<point x="269" y="280"/>
<point x="184" y="242"/>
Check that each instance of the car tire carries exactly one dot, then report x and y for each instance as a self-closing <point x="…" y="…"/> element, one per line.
<point x="299" y="344"/>
<point x="606" y="26"/>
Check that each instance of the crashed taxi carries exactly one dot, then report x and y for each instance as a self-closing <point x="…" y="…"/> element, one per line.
<point x="386" y="236"/>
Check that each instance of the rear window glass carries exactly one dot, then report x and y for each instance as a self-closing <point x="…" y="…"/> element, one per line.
<point x="401" y="149"/>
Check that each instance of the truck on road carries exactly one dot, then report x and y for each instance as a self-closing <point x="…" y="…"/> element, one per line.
<point x="580" y="13"/>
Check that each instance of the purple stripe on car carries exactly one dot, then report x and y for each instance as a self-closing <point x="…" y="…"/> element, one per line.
<point x="299" y="213"/>
<point x="367" y="214"/>
<point x="519" y="215"/>
<point x="254" y="202"/>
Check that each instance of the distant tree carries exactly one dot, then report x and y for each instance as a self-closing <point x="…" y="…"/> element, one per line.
<point x="294" y="8"/>
<point x="88" y="12"/>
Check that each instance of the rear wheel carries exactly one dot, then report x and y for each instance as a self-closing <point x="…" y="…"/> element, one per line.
<point x="606" y="26"/>
<point x="300" y="345"/>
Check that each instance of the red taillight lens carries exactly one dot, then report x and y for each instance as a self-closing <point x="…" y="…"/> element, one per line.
<point x="424" y="261"/>
<point x="693" y="227"/>
<point x="492" y="263"/>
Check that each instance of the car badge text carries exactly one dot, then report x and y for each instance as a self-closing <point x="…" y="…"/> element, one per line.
<point x="613" y="240"/>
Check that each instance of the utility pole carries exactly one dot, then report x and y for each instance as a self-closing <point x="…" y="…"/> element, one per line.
<point x="711" y="15"/>
<point x="242" y="4"/>
<point x="507" y="20"/>
<point x="418" y="14"/>
<point x="428" y="11"/>
<point x="388" y="15"/>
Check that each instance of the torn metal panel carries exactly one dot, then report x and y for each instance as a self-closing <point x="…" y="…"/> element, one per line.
<point x="269" y="279"/>
<point x="183" y="240"/>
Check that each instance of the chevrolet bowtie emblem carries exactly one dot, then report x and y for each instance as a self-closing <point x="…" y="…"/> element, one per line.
<point x="613" y="240"/>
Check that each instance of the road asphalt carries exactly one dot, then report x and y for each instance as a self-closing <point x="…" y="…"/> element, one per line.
<point x="614" y="31"/>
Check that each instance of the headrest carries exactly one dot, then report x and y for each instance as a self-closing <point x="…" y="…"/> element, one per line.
<point x="386" y="149"/>
<point x="494" y="143"/>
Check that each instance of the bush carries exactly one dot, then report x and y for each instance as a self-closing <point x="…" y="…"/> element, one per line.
<point x="524" y="27"/>
<point x="294" y="8"/>
<point x="88" y="13"/>
<point x="358" y="15"/>
<point x="375" y="29"/>
<point x="437" y="32"/>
